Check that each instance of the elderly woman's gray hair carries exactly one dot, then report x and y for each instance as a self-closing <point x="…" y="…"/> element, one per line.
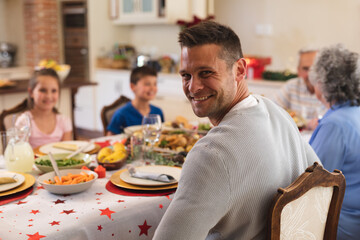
<point x="337" y="71"/>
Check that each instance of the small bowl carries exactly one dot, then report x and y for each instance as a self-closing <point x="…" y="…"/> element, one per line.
<point x="66" y="189"/>
<point x="63" y="71"/>
<point x="113" y="165"/>
<point x="80" y="156"/>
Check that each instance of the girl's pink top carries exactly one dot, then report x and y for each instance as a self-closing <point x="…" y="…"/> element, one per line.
<point x="38" y="138"/>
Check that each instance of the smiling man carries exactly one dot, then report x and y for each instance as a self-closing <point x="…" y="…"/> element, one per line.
<point x="231" y="175"/>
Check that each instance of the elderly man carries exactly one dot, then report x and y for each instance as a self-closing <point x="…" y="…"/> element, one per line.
<point x="231" y="175"/>
<point x="298" y="93"/>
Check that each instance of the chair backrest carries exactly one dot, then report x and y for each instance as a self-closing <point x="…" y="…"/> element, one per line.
<point x="108" y="111"/>
<point x="309" y="208"/>
<point x="6" y="120"/>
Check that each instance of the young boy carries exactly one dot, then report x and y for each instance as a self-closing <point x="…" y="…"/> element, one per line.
<point x="143" y="82"/>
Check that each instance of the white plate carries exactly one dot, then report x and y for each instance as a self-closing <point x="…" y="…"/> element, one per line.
<point x="49" y="147"/>
<point x="66" y="189"/>
<point x="18" y="177"/>
<point x="173" y="171"/>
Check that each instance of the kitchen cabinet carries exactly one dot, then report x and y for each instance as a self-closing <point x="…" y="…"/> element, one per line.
<point x="149" y="11"/>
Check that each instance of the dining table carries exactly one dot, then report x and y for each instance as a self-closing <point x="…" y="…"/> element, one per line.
<point x="104" y="211"/>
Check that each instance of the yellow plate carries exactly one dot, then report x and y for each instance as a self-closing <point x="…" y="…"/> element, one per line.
<point x="29" y="181"/>
<point x="116" y="180"/>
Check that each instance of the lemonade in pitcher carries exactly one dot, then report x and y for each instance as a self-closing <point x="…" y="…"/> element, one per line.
<point x="19" y="155"/>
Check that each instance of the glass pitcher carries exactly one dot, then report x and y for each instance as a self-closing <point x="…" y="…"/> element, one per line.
<point x="19" y="155"/>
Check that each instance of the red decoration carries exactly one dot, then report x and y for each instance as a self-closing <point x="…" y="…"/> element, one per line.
<point x="99" y="228"/>
<point x="106" y="212"/>
<point x="55" y="223"/>
<point x="144" y="228"/>
<point x="20" y="202"/>
<point x="101" y="171"/>
<point x="85" y="168"/>
<point x="104" y="144"/>
<point x="59" y="201"/>
<point x="35" y="236"/>
<point x="256" y="65"/>
<point x="34" y="211"/>
<point x="161" y="206"/>
<point x="196" y="20"/>
<point x="68" y="211"/>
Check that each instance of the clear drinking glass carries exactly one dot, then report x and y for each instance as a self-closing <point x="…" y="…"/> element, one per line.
<point x="151" y="127"/>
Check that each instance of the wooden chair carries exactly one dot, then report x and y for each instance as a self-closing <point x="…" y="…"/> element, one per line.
<point x="108" y="111"/>
<point x="309" y="208"/>
<point x="5" y="116"/>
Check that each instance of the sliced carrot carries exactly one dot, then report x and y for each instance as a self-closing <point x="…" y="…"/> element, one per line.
<point x="57" y="180"/>
<point x="91" y="177"/>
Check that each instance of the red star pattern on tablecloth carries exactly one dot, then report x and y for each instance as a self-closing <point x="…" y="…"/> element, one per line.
<point x="55" y="223"/>
<point x="35" y="236"/>
<point x="99" y="193"/>
<point x="119" y="201"/>
<point x="68" y="211"/>
<point x="40" y="187"/>
<point x="20" y="202"/>
<point x="106" y="212"/>
<point x="59" y="201"/>
<point x="144" y="228"/>
<point x="34" y="211"/>
<point x="99" y="228"/>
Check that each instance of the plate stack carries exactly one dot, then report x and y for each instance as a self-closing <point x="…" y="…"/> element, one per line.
<point x="123" y="179"/>
<point x="20" y="186"/>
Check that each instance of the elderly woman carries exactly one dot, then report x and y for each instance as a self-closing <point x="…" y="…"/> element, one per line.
<point x="336" y="140"/>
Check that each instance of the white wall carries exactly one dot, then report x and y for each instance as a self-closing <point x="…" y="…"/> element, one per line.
<point x="295" y="24"/>
<point x="102" y="33"/>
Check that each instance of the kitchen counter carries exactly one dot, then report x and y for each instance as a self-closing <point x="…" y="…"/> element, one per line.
<point x="15" y="73"/>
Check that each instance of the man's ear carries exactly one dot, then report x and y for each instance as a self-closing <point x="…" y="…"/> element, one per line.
<point x="241" y="67"/>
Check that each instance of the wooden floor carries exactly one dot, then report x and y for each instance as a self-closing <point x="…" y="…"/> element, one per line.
<point x="84" y="134"/>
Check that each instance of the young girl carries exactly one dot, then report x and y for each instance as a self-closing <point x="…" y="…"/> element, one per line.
<point x="47" y="125"/>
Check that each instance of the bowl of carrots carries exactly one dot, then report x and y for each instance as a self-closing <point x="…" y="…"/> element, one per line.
<point x="71" y="181"/>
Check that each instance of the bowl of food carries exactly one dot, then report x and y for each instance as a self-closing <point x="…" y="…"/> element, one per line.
<point x="62" y="70"/>
<point x="71" y="181"/>
<point x="112" y="157"/>
<point x="43" y="163"/>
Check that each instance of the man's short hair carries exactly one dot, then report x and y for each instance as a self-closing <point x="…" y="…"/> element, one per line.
<point x="140" y="72"/>
<point x="210" y="32"/>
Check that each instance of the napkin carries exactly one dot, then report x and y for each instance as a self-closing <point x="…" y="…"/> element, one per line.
<point x="149" y="175"/>
<point x="153" y="176"/>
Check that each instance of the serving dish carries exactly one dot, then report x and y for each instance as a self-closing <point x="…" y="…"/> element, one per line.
<point x="66" y="189"/>
<point x="86" y="158"/>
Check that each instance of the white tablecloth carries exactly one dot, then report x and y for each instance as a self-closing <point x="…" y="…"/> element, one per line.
<point x="93" y="214"/>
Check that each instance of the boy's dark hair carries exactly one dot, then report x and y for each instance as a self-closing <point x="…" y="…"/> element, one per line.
<point x="33" y="82"/>
<point x="210" y="32"/>
<point x="140" y="72"/>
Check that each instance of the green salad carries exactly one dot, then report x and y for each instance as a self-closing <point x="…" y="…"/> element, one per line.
<point x="61" y="162"/>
